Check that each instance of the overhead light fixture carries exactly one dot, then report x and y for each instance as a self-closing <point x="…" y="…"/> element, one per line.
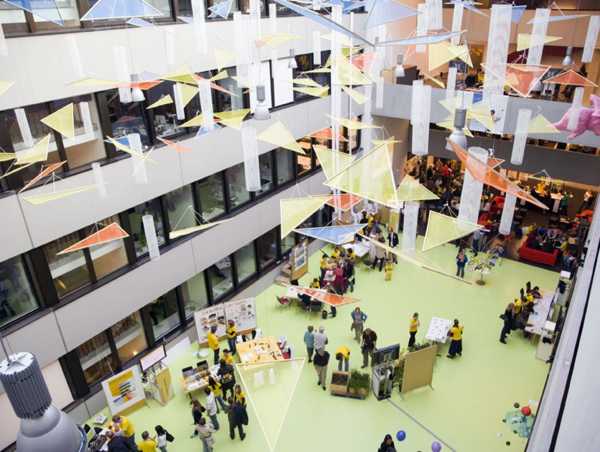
<point x="261" y="112"/>
<point x="137" y="95"/>
<point x="399" y="69"/>
<point x="458" y="135"/>
<point x="292" y="61"/>
<point x="568" y="59"/>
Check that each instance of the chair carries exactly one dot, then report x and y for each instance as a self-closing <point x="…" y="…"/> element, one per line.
<point x="283" y="301"/>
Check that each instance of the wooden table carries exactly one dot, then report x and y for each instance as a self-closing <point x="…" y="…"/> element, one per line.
<point x="263" y="350"/>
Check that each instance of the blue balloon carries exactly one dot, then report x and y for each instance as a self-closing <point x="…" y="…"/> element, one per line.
<point x="401" y="435"/>
<point x="436" y="447"/>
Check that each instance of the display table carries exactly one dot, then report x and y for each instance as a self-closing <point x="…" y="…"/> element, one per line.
<point x="360" y="249"/>
<point x="536" y="323"/>
<point x="263" y="350"/>
<point x="438" y="332"/>
<point x="198" y="379"/>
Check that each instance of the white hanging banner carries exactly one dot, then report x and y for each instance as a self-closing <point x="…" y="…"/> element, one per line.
<point x="575" y="109"/>
<point x="24" y="128"/>
<point x="457" y="16"/>
<point x="538" y="35"/>
<point x="74" y="55"/>
<point x="520" y="139"/>
<point x="409" y="226"/>
<point x="86" y="118"/>
<point x="199" y="26"/>
<point x="206" y="105"/>
<point x="316" y="47"/>
<point x="419" y="117"/>
<point x="99" y="180"/>
<point x="451" y="82"/>
<point x="272" y="18"/>
<point x="177" y="98"/>
<point x="169" y="48"/>
<point x="121" y="58"/>
<point x="434" y="14"/>
<point x="497" y="51"/>
<point x="422" y="25"/>
<point x="508" y="211"/>
<point x="151" y="238"/>
<point x="140" y="173"/>
<point x="470" y="196"/>
<point x="251" y="162"/>
<point x="3" y="45"/>
<point x="591" y="38"/>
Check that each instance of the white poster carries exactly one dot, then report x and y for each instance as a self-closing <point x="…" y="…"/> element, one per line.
<point x="123" y="390"/>
<point x="242" y="312"/>
<point x="204" y="319"/>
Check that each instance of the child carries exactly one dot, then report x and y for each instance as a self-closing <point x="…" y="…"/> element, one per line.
<point x="389" y="268"/>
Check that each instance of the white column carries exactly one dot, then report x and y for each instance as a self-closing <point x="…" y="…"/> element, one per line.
<point x="419" y="117"/>
<point x="508" y="212"/>
<point x="538" y="33"/>
<point x="251" y="162"/>
<point x="205" y="94"/>
<point x="74" y="55"/>
<point x="575" y="109"/>
<point x="151" y="239"/>
<point x="590" y="40"/>
<point x="520" y="140"/>
<point x="470" y="196"/>
<point x="316" y="47"/>
<point x="457" y="16"/>
<point x="140" y="174"/>
<point x="199" y="26"/>
<point x="99" y="180"/>
<point x="497" y="51"/>
<point x="409" y="226"/>
<point x="3" y="46"/>
<point x="121" y="58"/>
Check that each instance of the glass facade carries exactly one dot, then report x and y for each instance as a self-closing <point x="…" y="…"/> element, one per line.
<point x="107" y="257"/>
<point x="129" y="337"/>
<point x="266" y="247"/>
<point x="164" y="314"/>
<point x="211" y="195"/>
<point x="127" y="118"/>
<point x="265" y="163"/>
<point x="220" y="277"/>
<point x="285" y="165"/>
<point x="96" y="358"/>
<point x="236" y="182"/>
<point x="16" y="294"/>
<point x="69" y="271"/>
<point x="245" y="260"/>
<point x="194" y="295"/>
<point x="136" y="226"/>
<point x="180" y="208"/>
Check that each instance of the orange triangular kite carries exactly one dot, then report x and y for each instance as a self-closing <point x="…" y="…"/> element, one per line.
<point x="173" y="145"/>
<point x="570" y="77"/>
<point x="111" y="232"/>
<point x="523" y="77"/>
<point x="345" y="201"/>
<point x="45" y="172"/>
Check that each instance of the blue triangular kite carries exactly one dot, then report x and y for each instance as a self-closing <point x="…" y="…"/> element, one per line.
<point x="384" y="11"/>
<point x="337" y="235"/>
<point x="45" y="9"/>
<point x="221" y="9"/>
<point x="517" y="13"/>
<point x="120" y="9"/>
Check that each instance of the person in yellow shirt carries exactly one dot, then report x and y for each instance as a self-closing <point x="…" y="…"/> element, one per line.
<point x="388" y="269"/>
<point x="412" y="329"/>
<point x="323" y="265"/>
<point x="518" y="306"/>
<point x="455" y="335"/>
<point x="215" y="388"/>
<point x="342" y="354"/>
<point x="337" y="252"/>
<point x="231" y="332"/>
<point x="239" y="395"/>
<point x="315" y="284"/>
<point x="228" y="357"/>
<point x="148" y="444"/>
<point x="123" y="425"/>
<point x="213" y="342"/>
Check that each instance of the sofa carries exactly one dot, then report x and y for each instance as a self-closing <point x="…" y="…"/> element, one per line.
<point x="538" y="256"/>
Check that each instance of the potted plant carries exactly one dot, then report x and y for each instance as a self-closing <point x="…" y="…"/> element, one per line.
<point x="359" y="384"/>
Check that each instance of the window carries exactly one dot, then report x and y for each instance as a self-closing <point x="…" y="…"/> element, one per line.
<point x="164" y="314"/>
<point x="164" y="118"/>
<point x="220" y="278"/>
<point x="180" y="208"/>
<point x="265" y="163"/>
<point x="304" y="63"/>
<point x="304" y="162"/>
<point x="194" y="295"/>
<point x="288" y="242"/>
<point x="266" y="246"/>
<point x="136" y="227"/>
<point x="211" y="195"/>
<point x="96" y="358"/>
<point x="125" y="119"/>
<point x="285" y="165"/>
<point x="107" y="257"/>
<point x="164" y="6"/>
<point x="129" y="337"/>
<point x="65" y="11"/>
<point x="69" y="271"/>
<point x="16" y="294"/>
<point x="12" y="19"/>
<point x="245" y="261"/>
<point x="236" y="181"/>
<point x="227" y="102"/>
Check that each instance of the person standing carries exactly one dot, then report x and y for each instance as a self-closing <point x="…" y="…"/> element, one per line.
<point x="205" y="432"/>
<point x="321" y="360"/>
<point x="349" y="271"/>
<point x="387" y="445"/>
<point x="147" y="444"/>
<point x="213" y="343"/>
<point x="508" y="319"/>
<point x="342" y="355"/>
<point x="197" y="410"/>
<point x="211" y="408"/>
<point x="215" y="388"/>
<point x="123" y="425"/>
<point x="475" y="243"/>
<point x="393" y="242"/>
<point x="369" y="339"/>
<point x="161" y="438"/>
<point x="412" y="329"/>
<point x="238" y="395"/>
<point x="118" y="443"/>
<point x="358" y="323"/>
<point x="320" y="339"/>
<point x="238" y="417"/>
<point x="455" y="334"/>
<point x="379" y="254"/>
<point x="309" y="341"/>
<point x="227" y="375"/>
<point x="231" y="332"/>
<point x="461" y="262"/>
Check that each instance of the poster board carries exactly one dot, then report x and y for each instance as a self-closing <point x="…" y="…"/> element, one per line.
<point x="418" y="368"/>
<point x="205" y="318"/>
<point x="242" y="312"/>
<point x="299" y="260"/>
<point x="124" y="390"/>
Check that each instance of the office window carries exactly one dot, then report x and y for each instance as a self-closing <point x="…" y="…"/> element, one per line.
<point x="69" y="271"/>
<point x="236" y="181"/>
<point x="246" y="262"/>
<point x="210" y="192"/>
<point x="220" y="277"/>
<point x="96" y="358"/>
<point x="265" y="163"/>
<point x="266" y="246"/>
<point x="16" y="294"/>
<point x="304" y="63"/>
<point x="66" y="10"/>
<point x="164" y="314"/>
<point x="180" y="208"/>
<point x="137" y="228"/>
<point x="164" y="118"/>
<point x="129" y="337"/>
<point x="227" y="102"/>
<point x="164" y="6"/>
<point x="304" y="162"/>
<point x="125" y="119"/>
<point x="209" y="3"/>
<point x="12" y="19"/>
<point x="39" y="130"/>
<point x="194" y="295"/>
<point x="285" y="165"/>
<point x="107" y="257"/>
<point x="288" y="242"/>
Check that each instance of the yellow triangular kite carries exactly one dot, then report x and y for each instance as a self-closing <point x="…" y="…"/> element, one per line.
<point x="6" y="156"/>
<point x="279" y="135"/>
<point x="443" y="229"/>
<point x="349" y="74"/>
<point x="56" y="195"/>
<point x="312" y="91"/>
<point x="352" y="124"/>
<point x="369" y="177"/>
<point x="327" y="158"/>
<point x="356" y="96"/>
<point x="442" y="52"/>
<point x="187" y="93"/>
<point x="390" y="140"/>
<point x="182" y="75"/>
<point x="120" y="146"/>
<point x="186" y="231"/>
<point x="232" y="118"/>
<point x="321" y="70"/>
<point x="62" y="121"/>
<point x="295" y="210"/>
<point x="5" y="86"/>
<point x="85" y="82"/>
<point x="411" y="190"/>
<point x="541" y="125"/>
<point x="220" y="76"/>
<point x="306" y="82"/>
<point x="524" y="40"/>
<point x="165" y="100"/>
<point x="38" y="153"/>
<point x="196" y="121"/>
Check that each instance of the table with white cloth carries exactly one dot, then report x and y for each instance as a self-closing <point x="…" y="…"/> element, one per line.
<point x="438" y="331"/>
<point x="360" y="249"/>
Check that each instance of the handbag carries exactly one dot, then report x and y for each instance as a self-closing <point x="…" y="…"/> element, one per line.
<point x="170" y="438"/>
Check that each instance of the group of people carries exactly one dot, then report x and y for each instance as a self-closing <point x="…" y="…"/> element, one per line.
<point x="120" y="437"/>
<point x="516" y="313"/>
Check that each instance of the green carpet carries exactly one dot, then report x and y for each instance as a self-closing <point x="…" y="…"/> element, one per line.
<point x="471" y="394"/>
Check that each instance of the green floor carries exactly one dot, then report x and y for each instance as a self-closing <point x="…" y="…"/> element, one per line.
<point x="471" y="394"/>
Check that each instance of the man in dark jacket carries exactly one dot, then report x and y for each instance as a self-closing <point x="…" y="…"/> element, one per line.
<point x="369" y="338"/>
<point x="321" y="360"/>
<point x="118" y="443"/>
<point x="237" y="416"/>
<point x="508" y="318"/>
<point x="393" y="242"/>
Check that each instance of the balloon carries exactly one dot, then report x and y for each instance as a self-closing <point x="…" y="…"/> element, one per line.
<point x="526" y="411"/>
<point x="401" y="435"/>
<point x="436" y="447"/>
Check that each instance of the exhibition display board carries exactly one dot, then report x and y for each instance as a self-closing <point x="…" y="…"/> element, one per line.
<point x="124" y="390"/>
<point x="418" y="368"/>
<point x="299" y="260"/>
<point x="242" y="312"/>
